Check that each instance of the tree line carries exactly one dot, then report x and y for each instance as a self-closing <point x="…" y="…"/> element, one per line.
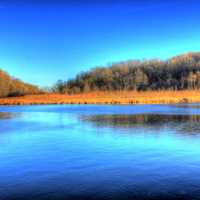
<point x="178" y="73"/>
<point x="10" y="87"/>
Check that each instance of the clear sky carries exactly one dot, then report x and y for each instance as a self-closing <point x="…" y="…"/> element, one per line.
<point x="44" y="41"/>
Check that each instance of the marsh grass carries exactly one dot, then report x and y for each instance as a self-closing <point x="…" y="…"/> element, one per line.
<point x="118" y="97"/>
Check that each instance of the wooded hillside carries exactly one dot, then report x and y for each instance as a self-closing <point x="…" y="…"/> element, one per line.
<point x="178" y="73"/>
<point x="10" y="86"/>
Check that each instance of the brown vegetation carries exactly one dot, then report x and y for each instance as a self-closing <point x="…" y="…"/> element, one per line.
<point x="178" y="73"/>
<point x="176" y="80"/>
<point x="124" y="97"/>
<point x="10" y="86"/>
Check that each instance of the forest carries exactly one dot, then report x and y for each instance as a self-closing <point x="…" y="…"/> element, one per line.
<point x="178" y="73"/>
<point x="10" y="87"/>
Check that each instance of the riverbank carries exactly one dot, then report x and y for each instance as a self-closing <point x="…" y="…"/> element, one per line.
<point x="124" y="97"/>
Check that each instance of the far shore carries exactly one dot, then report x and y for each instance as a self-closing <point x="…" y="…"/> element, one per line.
<point x="119" y="97"/>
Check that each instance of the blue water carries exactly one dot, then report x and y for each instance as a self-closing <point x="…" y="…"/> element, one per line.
<point x="100" y="152"/>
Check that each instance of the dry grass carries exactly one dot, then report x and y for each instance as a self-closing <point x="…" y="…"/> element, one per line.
<point x="124" y="97"/>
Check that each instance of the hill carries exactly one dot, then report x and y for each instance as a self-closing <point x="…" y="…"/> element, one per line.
<point x="178" y="73"/>
<point x="10" y="86"/>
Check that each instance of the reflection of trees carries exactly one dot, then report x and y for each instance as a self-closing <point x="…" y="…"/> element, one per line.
<point x="180" y="123"/>
<point x="4" y="115"/>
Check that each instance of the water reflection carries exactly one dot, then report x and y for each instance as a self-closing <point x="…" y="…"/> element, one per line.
<point x="49" y="153"/>
<point x="185" y="124"/>
<point x="5" y="115"/>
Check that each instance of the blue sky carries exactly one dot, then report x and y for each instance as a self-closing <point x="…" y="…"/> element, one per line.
<point x="44" y="41"/>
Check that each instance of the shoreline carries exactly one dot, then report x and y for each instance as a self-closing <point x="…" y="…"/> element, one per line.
<point x="113" y="98"/>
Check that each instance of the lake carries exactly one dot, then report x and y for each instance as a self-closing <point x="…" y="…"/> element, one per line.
<point x="100" y="152"/>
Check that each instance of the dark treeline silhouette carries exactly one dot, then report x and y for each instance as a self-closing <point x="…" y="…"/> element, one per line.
<point x="178" y="73"/>
<point x="10" y="87"/>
